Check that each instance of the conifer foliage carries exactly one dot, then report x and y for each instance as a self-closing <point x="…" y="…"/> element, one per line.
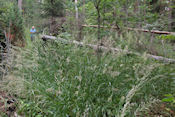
<point x="11" y="22"/>
<point x="53" y="9"/>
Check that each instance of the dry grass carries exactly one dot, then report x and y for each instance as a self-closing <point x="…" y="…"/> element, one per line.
<point x="13" y="85"/>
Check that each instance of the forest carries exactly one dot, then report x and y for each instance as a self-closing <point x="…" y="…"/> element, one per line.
<point x="87" y="58"/>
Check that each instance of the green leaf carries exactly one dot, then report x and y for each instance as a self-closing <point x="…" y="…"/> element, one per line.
<point x="168" y="95"/>
<point x="170" y="99"/>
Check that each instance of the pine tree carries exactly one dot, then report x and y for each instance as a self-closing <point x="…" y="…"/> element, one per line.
<point x="11" y="22"/>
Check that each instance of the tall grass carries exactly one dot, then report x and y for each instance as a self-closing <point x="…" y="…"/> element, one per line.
<point x="66" y="80"/>
<point x="134" y="41"/>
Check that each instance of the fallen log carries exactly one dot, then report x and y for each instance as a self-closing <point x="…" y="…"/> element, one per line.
<point x="159" y="58"/>
<point x="134" y="29"/>
<point x="81" y="43"/>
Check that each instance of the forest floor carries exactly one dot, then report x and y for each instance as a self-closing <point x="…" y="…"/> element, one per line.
<point x="7" y="104"/>
<point x="57" y="67"/>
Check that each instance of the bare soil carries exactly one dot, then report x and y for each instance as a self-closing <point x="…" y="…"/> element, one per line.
<point x="7" y="104"/>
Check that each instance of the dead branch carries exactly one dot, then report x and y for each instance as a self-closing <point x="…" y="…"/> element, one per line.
<point x="134" y="29"/>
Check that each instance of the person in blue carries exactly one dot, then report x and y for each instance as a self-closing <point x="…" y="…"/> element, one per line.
<point x="32" y="33"/>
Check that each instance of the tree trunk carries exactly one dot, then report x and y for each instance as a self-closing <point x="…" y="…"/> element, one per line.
<point x="20" y="5"/>
<point x="126" y="12"/>
<point x="81" y="21"/>
<point x="52" y="20"/>
<point x="144" y="11"/>
<point x="76" y="9"/>
<point x="138" y="13"/>
<point x="84" y="10"/>
<point x="153" y="2"/>
<point x="170" y="15"/>
<point x="99" y="22"/>
<point x="136" y="4"/>
<point x="98" y="19"/>
<point x="51" y="25"/>
<point x="173" y="16"/>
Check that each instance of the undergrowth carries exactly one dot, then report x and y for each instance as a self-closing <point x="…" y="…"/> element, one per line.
<point x="55" y="79"/>
<point x="134" y="41"/>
